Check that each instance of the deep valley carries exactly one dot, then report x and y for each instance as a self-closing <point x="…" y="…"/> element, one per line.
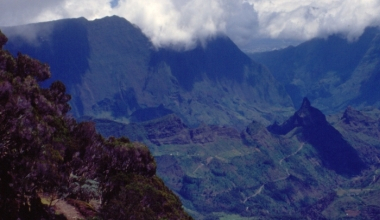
<point x="285" y="134"/>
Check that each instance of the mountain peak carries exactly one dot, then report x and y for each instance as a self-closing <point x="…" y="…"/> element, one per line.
<point x="356" y="119"/>
<point x="305" y="103"/>
<point x="305" y="116"/>
<point x="335" y="152"/>
<point x="349" y="114"/>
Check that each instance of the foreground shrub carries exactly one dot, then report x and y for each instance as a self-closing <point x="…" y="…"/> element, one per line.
<point x="43" y="151"/>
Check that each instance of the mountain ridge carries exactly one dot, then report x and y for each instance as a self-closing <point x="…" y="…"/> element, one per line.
<point x="208" y="128"/>
<point x="134" y="75"/>
<point x="332" y="72"/>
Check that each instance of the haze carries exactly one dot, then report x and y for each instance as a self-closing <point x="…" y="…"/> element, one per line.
<point x="184" y="23"/>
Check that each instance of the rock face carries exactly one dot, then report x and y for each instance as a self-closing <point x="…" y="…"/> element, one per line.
<point x="336" y="153"/>
<point x="307" y="116"/>
<point x="167" y="130"/>
<point x="362" y="129"/>
<point x="355" y="118"/>
<point x="113" y="71"/>
<point x="359" y="123"/>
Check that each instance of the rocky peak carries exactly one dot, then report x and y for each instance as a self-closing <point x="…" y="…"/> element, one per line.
<point x="363" y="123"/>
<point x="305" y="116"/>
<point x="351" y="115"/>
<point x="334" y="151"/>
<point x="305" y="103"/>
<point x="308" y="115"/>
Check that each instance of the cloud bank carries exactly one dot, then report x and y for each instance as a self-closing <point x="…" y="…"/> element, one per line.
<point x="310" y="18"/>
<point x="185" y="23"/>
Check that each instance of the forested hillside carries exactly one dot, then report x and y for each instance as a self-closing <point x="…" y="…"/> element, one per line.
<point x="46" y="156"/>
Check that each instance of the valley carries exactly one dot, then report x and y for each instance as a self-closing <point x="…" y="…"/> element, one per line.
<point x="287" y="134"/>
<point x="258" y="174"/>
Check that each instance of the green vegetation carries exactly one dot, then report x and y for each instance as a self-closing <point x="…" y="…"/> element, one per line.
<point x="45" y="154"/>
<point x="220" y="173"/>
<point x="224" y="168"/>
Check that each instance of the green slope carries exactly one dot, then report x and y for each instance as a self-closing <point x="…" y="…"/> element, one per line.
<point x="222" y="173"/>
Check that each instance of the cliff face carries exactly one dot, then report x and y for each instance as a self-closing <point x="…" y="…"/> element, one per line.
<point x="168" y="130"/>
<point x="114" y="72"/>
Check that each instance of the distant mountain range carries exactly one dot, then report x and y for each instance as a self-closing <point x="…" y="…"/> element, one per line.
<point x="267" y="44"/>
<point x="113" y="71"/>
<point x="332" y="72"/>
<point x="209" y="115"/>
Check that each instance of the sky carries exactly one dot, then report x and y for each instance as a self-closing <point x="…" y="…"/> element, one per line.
<point x="185" y="23"/>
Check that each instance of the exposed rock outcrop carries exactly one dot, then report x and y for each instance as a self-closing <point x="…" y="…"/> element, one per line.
<point x="335" y="152"/>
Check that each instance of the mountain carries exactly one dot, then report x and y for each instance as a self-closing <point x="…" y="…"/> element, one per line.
<point x="53" y="167"/>
<point x="332" y="72"/>
<point x="267" y="44"/>
<point x="113" y="71"/>
<point x="334" y="151"/>
<point x="205" y="115"/>
<point x="309" y="165"/>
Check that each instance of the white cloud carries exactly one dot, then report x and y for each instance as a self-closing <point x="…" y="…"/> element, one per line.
<point x="310" y="18"/>
<point x="179" y="23"/>
<point x="16" y="12"/>
<point x="242" y="22"/>
<point x="184" y="23"/>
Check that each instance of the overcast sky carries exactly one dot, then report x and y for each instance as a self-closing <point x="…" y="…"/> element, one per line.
<point x="184" y="22"/>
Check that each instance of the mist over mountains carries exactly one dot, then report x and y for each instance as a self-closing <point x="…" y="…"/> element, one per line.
<point x="208" y="115"/>
<point x="332" y="72"/>
<point x="112" y="70"/>
<point x="184" y="22"/>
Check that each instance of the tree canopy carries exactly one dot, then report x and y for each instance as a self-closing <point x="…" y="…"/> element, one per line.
<point x="44" y="151"/>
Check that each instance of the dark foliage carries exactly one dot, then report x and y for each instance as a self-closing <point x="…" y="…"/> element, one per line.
<point x="43" y="151"/>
